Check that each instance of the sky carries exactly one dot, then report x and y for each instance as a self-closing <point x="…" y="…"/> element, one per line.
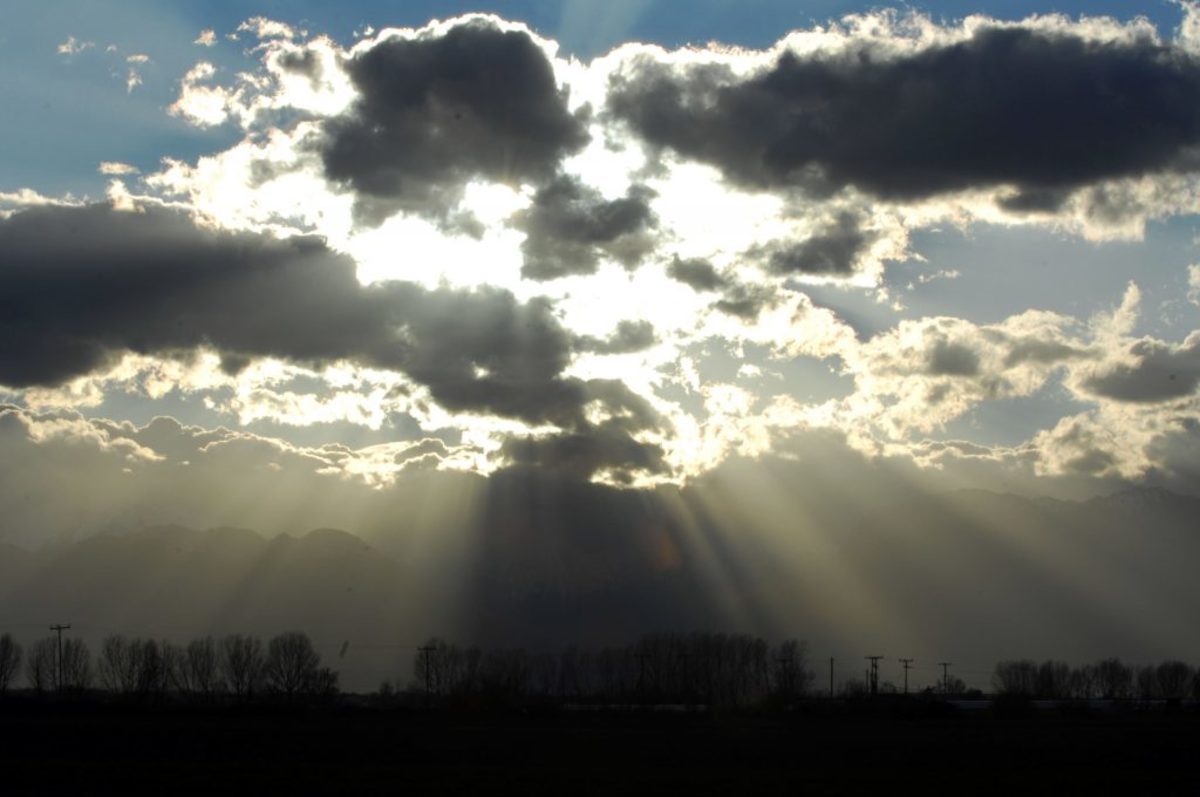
<point x="312" y="255"/>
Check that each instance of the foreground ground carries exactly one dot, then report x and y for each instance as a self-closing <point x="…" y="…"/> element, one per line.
<point x="94" y="749"/>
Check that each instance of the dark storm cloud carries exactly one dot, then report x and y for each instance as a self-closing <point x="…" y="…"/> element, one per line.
<point x="1161" y="372"/>
<point x="81" y="286"/>
<point x="437" y="111"/>
<point x="583" y="453"/>
<point x="1045" y="112"/>
<point x="606" y="446"/>
<point x="629" y="336"/>
<point x="746" y="301"/>
<point x="698" y="274"/>
<point x="570" y="225"/>
<point x="743" y="300"/>
<point x="834" y="251"/>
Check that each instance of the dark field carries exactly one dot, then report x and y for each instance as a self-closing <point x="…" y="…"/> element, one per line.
<point x="95" y="749"/>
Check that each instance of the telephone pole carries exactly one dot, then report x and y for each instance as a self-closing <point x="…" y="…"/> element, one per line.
<point x="907" y="666"/>
<point x="641" y="687"/>
<point x="945" y="665"/>
<point x="59" y="662"/>
<point x="874" y="673"/>
<point x="425" y="651"/>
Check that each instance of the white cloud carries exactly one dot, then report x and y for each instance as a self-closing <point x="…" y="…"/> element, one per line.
<point x="264" y="28"/>
<point x="116" y="168"/>
<point x="207" y="38"/>
<point x="73" y="46"/>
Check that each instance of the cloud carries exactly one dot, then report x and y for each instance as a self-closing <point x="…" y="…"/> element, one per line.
<point x="696" y="273"/>
<point x="437" y="109"/>
<point x="85" y="285"/>
<point x="73" y="46"/>
<point x="570" y="226"/>
<point x="201" y="104"/>
<point x="1043" y="111"/>
<point x="746" y="301"/>
<point x="1193" y="294"/>
<point x="1148" y="370"/>
<point x="263" y="28"/>
<point x="207" y="38"/>
<point x="581" y="454"/>
<point x="835" y="250"/>
<point x="629" y="336"/>
<point x="116" y="168"/>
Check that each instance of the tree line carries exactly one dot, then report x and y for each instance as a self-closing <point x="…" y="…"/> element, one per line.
<point x="715" y="669"/>
<point x="1107" y="679"/>
<point x="236" y="665"/>
<point x="661" y="668"/>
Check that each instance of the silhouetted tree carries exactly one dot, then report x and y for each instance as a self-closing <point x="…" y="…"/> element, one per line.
<point x="153" y="667"/>
<point x="42" y="664"/>
<point x="955" y="686"/>
<point x="242" y="664"/>
<point x="139" y="667"/>
<point x="1084" y="682"/>
<point x="1114" y="680"/>
<point x="1147" y="682"/>
<point x="1017" y="678"/>
<point x="1053" y="680"/>
<point x="10" y="660"/>
<point x="116" y="666"/>
<point x="790" y="674"/>
<point x="76" y="665"/>
<point x="1174" y="680"/>
<point x="292" y="665"/>
<point x="196" y="670"/>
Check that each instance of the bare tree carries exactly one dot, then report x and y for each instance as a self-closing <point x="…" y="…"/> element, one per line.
<point x="153" y="668"/>
<point x="1114" y="680"/>
<point x="76" y="665"/>
<point x="41" y="667"/>
<point x="1015" y="678"/>
<point x="196" y="670"/>
<point x="242" y="664"/>
<point x="10" y="660"/>
<point x="116" y="666"/>
<point x="791" y="675"/>
<point x="1084" y="682"/>
<point x="138" y="667"/>
<point x="1147" y="682"/>
<point x="1174" y="679"/>
<point x="292" y="664"/>
<point x="1054" y="680"/>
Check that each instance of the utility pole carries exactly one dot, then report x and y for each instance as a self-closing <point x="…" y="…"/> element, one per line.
<point x="874" y="673"/>
<point x="641" y="657"/>
<point x="945" y="665"/>
<point x="59" y="668"/>
<point x="687" y="678"/>
<point x="907" y="666"/>
<point x="425" y="651"/>
<point x="831" y="677"/>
